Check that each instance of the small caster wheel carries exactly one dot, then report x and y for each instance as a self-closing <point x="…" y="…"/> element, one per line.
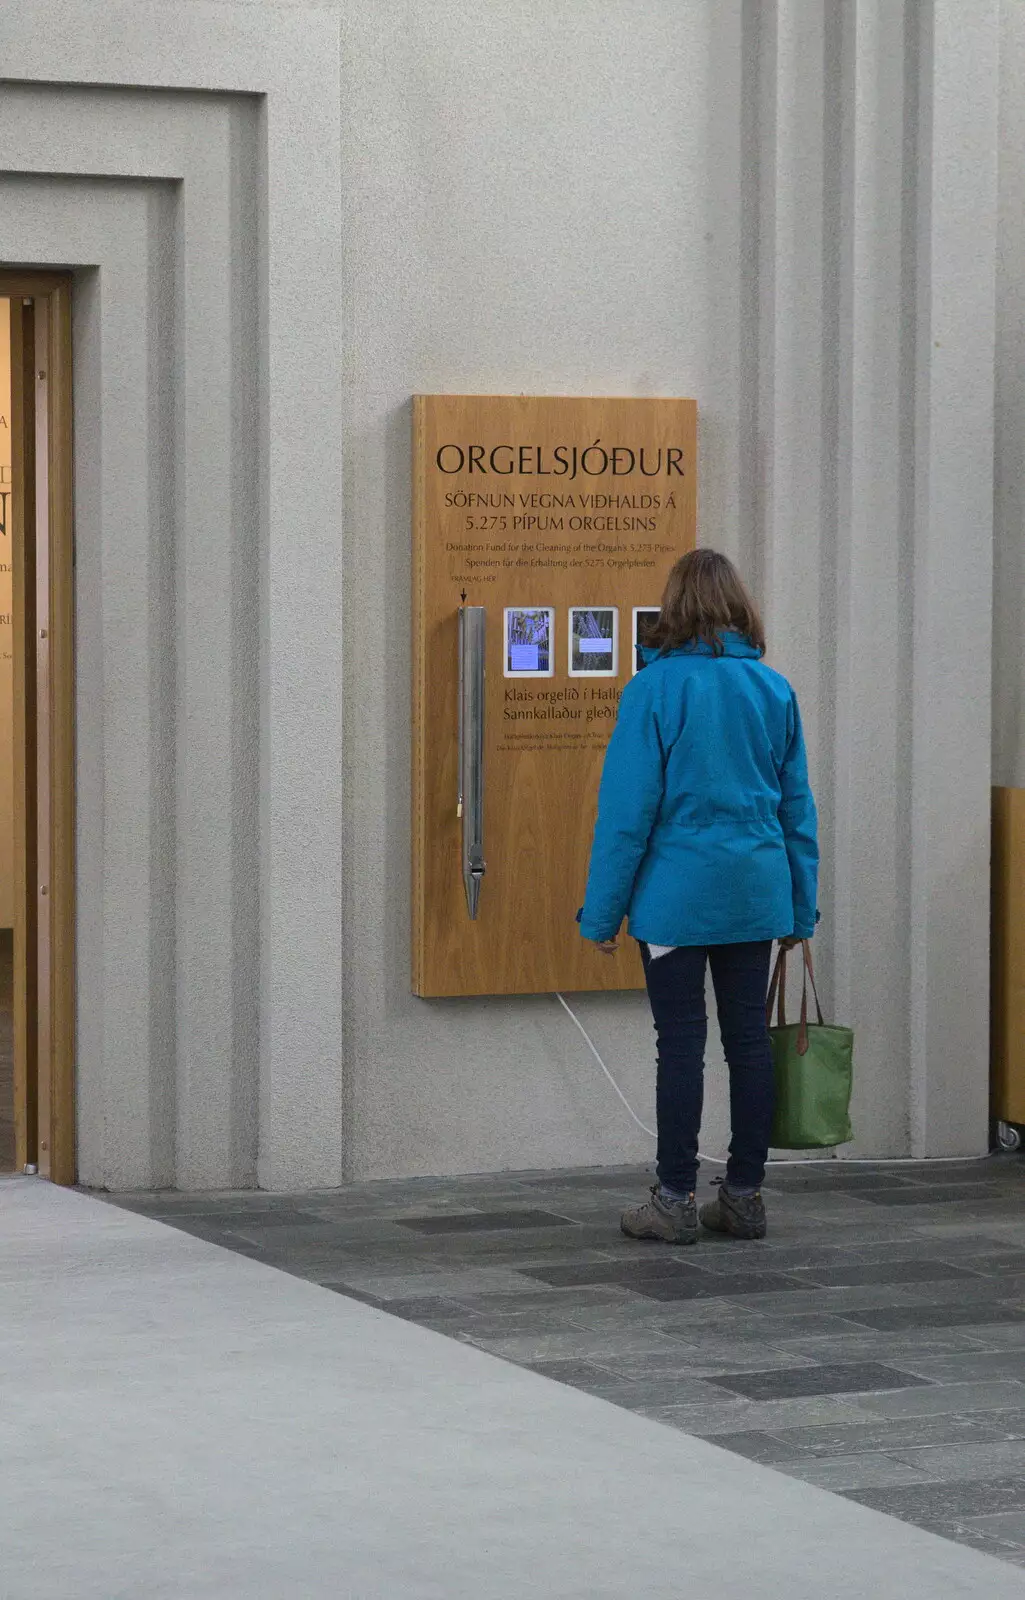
<point x="1008" y="1136"/>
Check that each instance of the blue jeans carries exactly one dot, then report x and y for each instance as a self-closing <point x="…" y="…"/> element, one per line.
<point x="676" y="990"/>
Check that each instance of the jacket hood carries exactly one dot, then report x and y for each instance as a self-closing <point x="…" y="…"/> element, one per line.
<point x="734" y="644"/>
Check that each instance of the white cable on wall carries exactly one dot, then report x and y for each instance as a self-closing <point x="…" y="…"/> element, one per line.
<point x="594" y="1051"/>
<point x="717" y="1161"/>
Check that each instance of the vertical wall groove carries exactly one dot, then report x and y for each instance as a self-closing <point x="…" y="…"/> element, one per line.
<point x="245" y="640"/>
<point x="913" y="70"/>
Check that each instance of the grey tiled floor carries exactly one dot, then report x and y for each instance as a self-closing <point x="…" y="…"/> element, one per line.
<point x="874" y="1344"/>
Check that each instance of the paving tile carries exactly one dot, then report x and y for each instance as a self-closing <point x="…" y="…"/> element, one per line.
<point x="483" y="1221"/>
<point x="427" y="1308"/>
<point x="723" y="1286"/>
<point x="516" y="1249"/>
<point x="578" y="1374"/>
<point x="673" y="1287"/>
<point x="1000" y="1527"/>
<point x="854" y="1472"/>
<point x="1000" y="1335"/>
<point x="573" y="1345"/>
<point x="949" y="1194"/>
<point x="995" y="1263"/>
<point x="945" y="1501"/>
<point x="482" y="1329"/>
<point x="868" y="1433"/>
<point x="866" y="1377"/>
<point x="986" y="1364"/>
<point x="897" y="1350"/>
<point x="839" y="1302"/>
<point x="214" y="1232"/>
<point x="355" y="1294"/>
<point x="298" y="1239"/>
<point x="611" y="1272"/>
<point x="978" y="1536"/>
<point x="714" y="1317"/>
<point x="776" y="1328"/>
<point x="1008" y="1290"/>
<point x="640" y="1311"/>
<point x="779" y="1417"/>
<point x="405" y="1285"/>
<point x="777" y="1257"/>
<point x="896" y="1319"/>
<point x="852" y="1183"/>
<point x="994" y="1168"/>
<point x="634" y="1171"/>
<point x="755" y="1445"/>
<point x="717" y="1358"/>
<point x="165" y="1207"/>
<point x="937" y="1399"/>
<point x="626" y="1180"/>
<point x="849" y="1274"/>
<point x="692" y="1359"/>
<point x="669" y="1389"/>
<point x="271" y="1217"/>
<point x="997" y="1458"/>
<point x="322" y="1261"/>
<point x="578" y="1304"/>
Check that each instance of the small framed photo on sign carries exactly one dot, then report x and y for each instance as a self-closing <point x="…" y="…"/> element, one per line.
<point x="593" y="641"/>
<point x="529" y="642"/>
<point x="645" y="618"/>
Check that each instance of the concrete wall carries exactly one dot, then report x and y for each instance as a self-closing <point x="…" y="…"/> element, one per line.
<point x="786" y="209"/>
<point x="1009" y="568"/>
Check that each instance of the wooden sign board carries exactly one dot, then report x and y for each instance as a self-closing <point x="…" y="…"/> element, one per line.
<point x="1007" y="962"/>
<point x="561" y="517"/>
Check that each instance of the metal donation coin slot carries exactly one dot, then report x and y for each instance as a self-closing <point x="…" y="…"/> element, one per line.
<point x="472" y="646"/>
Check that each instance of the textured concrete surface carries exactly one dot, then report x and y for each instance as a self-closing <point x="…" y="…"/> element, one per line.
<point x="181" y="1422"/>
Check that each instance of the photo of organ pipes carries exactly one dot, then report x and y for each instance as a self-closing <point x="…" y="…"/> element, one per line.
<point x="645" y="618"/>
<point x="593" y="642"/>
<point x="529" y="634"/>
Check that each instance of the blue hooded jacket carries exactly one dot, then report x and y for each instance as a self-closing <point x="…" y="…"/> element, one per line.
<point x="707" y="831"/>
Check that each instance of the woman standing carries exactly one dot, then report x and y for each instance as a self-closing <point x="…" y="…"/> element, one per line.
<point x="706" y="839"/>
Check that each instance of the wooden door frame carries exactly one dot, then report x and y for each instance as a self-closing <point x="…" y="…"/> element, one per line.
<point x="51" y="889"/>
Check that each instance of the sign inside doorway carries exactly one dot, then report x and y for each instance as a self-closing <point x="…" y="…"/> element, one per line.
<point x="543" y="533"/>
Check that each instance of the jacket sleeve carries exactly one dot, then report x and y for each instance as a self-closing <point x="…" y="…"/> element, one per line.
<point x="628" y="801"/>
<point x="799" y="821"/>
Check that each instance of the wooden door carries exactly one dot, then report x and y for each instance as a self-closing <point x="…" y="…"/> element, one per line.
<point x="26" y="864"/>
<point x="44" y="740"/>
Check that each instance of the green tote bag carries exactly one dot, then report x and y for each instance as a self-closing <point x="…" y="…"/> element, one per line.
<point x="814" y="1065"/>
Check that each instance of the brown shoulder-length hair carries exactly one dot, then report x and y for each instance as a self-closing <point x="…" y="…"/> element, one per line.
<point x="704" y="598"/>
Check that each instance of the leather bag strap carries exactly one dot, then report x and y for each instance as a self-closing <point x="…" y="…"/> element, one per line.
<point x="777" y="992"/>
<point x="809" y="972"/>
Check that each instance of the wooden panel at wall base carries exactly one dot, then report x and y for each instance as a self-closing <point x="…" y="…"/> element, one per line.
<point x="1008" y="956"/>
<point x="562" y="519"/>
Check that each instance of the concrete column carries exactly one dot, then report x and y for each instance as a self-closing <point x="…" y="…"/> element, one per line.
<point x="1009" y="537"/>
<point x="868" y="888"/>
<point x="952" y="567"/>
<point x="217" y="558"/>
<point x="301" y="1071"/>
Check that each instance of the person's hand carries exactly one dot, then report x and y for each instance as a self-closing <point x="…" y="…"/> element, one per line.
<point x="791" y="942"/>
<point x="608" y="947"/>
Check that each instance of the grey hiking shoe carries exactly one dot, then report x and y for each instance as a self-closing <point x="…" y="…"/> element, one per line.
<point x="674" y="1221"/>
<point x="742" y="1215"/>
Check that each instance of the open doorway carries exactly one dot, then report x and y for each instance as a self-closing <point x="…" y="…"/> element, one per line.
<point x="37" y="1089"/>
